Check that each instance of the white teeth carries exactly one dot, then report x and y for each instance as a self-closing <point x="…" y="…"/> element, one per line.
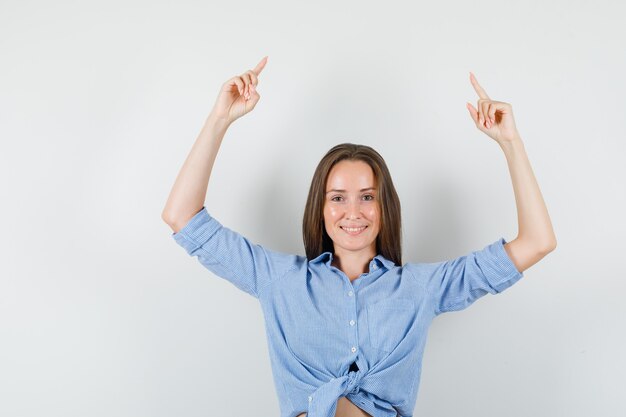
<point x="351" y="230"/>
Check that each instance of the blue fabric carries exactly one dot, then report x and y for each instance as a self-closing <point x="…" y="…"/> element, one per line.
<point x="318" y="323"/>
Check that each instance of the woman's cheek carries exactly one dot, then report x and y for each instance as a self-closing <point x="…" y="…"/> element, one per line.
<point x="333" y="212"/>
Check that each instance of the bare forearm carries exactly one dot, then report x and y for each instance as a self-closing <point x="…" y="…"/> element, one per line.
<point x="534" y="223"/>
<point x="189" y="191"/>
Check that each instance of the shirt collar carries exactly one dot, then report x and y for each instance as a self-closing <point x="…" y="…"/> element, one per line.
<point x="327" y="257"/>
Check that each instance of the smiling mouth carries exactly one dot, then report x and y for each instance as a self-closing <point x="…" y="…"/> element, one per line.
<point x="353" y="231"/>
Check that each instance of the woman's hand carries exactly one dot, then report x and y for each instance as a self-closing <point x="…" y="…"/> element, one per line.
<point x="495" y="118"/>
<point x="238" y="95"/>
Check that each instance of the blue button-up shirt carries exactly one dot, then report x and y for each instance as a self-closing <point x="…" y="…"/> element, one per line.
<point x="318" y="322"/>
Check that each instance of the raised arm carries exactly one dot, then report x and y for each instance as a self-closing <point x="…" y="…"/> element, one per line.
<point x="237" y="97"/>
<point x="535" y="236"/>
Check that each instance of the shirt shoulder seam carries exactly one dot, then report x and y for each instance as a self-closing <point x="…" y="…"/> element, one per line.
<point x="292" y="267"/>
<point x="425" y="286"/>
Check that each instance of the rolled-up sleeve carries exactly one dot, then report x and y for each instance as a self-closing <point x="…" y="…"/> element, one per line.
<point x="229" y="255"/>
<point x="455" y="284"/>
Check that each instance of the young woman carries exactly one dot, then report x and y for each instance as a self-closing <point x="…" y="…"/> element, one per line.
<point x="347" y="324"/>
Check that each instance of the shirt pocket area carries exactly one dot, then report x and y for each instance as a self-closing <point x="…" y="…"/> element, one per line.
<point x="388" y="322"/>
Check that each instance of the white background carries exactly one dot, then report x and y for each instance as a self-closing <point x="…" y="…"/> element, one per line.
<point x="103" y="314"/>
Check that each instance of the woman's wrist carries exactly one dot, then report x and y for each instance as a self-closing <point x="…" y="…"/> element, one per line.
<point x="511" y="145"/>
<point x="217" y="122"/>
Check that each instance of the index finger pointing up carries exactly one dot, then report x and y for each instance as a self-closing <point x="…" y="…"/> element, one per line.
<point x="481" y="92"/>
<point x="259" y="67"/>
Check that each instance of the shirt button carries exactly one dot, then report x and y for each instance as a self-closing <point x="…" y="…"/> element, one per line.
<point x="351" y="322"/>
<point x="374" y="266"/>
<point x="353" y="349"/>
<point x="350" y="293"/>
<point x="310" y="398"/>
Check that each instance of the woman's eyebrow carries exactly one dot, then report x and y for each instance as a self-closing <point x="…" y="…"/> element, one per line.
<point x="343" y="191"/>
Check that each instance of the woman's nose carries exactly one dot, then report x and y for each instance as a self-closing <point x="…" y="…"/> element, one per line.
<point x="354" y="209"/>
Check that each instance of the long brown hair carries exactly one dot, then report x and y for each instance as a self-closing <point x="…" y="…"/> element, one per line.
<point x="389" y="239"/>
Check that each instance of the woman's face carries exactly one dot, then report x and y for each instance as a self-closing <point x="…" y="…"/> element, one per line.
<point x="351" y="201"/>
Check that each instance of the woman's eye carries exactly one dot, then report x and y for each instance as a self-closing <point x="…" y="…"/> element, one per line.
<point x="367" y="197"/>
